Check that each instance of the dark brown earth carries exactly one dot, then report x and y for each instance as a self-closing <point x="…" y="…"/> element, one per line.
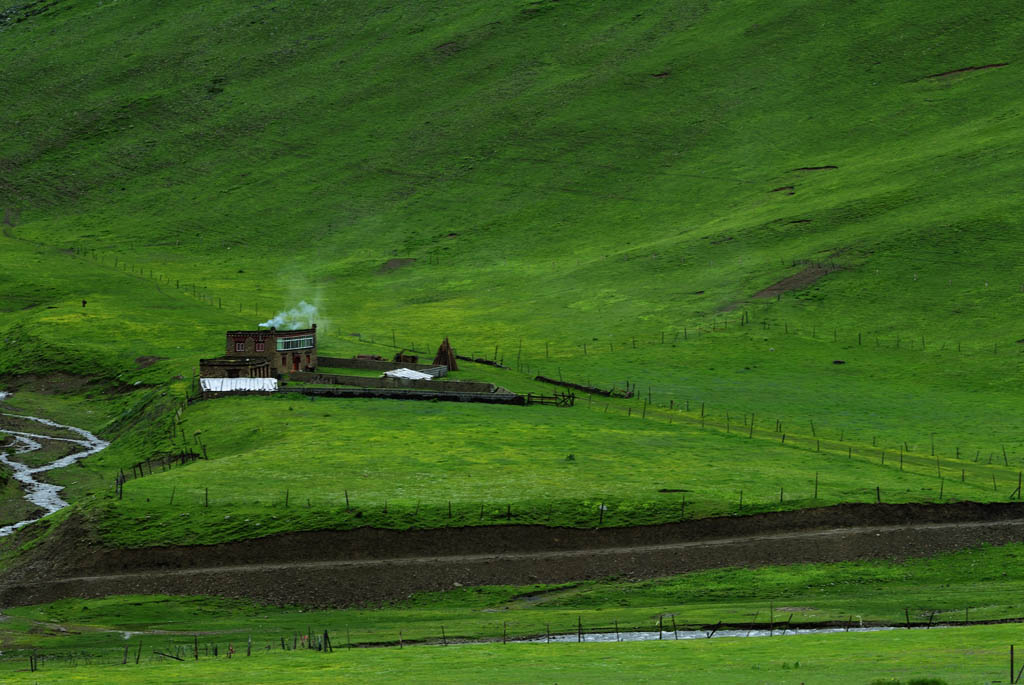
<point x="797" y="281"/>
<point x="966" y="69"/>
<point x="345" y="568"/>
<point x="396" y="263"/>
<point x="448" y="49"/>
<point x="147" y="360"/>
<point x="47" y="384"/>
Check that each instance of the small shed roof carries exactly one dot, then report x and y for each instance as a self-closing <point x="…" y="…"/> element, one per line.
<point x="408" y="373"/>
<point x="238" y="384"/>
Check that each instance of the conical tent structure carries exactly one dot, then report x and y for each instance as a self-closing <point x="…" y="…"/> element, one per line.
<point x="446" y="356"/>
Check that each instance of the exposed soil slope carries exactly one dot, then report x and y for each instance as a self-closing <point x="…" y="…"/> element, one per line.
<point x="341" y="568"/>
<point x="797" y="281"/>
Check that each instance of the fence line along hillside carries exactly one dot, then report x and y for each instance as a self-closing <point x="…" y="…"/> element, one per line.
<point x="242" y="644"/>
<point x="301" y="509"/>
<point x="530" y="356"/>
<point x="642" y="392"/>
<point x="538" y="358"/>
<point x="526" y="353"/>
<point x="899" y="457"/>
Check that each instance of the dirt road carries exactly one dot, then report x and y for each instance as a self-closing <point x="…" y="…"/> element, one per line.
<point x="344" y="568"/>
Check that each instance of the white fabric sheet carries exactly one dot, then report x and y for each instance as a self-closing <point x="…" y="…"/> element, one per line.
<point x="408" y="373"/>
<point x="238" y="384"/>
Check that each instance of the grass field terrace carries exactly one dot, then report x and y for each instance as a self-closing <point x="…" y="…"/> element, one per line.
<point x="337" y="466"/>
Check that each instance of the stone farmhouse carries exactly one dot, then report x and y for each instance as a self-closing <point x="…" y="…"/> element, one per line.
<point x="266" y="353"/>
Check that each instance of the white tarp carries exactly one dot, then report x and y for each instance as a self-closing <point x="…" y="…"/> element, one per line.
<point x="238" y="384"/>
<point x="408" y="373"/>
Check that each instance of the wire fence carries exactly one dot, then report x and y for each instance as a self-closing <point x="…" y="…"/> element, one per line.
<point x="523" y="354"/>
<point x="967" y="465"/>
<point x="243" y="643"/>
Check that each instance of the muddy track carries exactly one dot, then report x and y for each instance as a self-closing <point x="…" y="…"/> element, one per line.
<point x="367" y="566"/>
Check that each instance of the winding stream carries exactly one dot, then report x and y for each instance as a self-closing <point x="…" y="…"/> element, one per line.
<point x="634" y="636"/>
<point x="41" y="494"/>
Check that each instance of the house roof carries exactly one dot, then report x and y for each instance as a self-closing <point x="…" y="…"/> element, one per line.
<point x="263" y="332"/>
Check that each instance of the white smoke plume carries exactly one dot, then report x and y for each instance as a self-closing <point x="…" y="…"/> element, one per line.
<point x="301" y="315"/>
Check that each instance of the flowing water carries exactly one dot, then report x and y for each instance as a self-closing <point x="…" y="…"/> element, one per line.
<point x="702" y="634"/>
<point x="44" y="495"/>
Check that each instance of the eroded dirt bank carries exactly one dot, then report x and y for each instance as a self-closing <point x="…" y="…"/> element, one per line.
<point x="343" y="568"/>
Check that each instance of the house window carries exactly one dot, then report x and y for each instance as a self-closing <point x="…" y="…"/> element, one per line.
<point x="261" y="347"/>
<point x="284" y="360"/>
<point x="296" y="343"/>
<point x="239" y="347"/>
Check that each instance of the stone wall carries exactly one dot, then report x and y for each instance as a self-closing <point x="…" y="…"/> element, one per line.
<point x="374" y="365"/>
<point x="364" y="382"/>
<point x="234" y="367"/>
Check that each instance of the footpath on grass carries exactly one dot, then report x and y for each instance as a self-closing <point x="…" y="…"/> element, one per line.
<point x="356" y="567"/>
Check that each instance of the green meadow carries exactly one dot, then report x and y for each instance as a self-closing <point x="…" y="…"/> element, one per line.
<point x="494" y="464"/>
<point x="791" y="229"/>
<point x="976" y="655"/>
<point x="572" y="207"/>
<point x="82" y="639"/>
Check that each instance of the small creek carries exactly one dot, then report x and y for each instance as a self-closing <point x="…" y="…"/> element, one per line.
<point x="702" y="634"/>
<point x="44" y="495"/>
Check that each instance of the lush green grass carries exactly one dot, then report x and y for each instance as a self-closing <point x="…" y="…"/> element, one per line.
<point x="93" y="408"/>
<point x="941" y="656"/>
<point x="973" y="585"/>
<point x="400" y="463"/>
<point x="551" y="127"/>
<point x="187" y="171"/>
<point x="481" y="458"/>
<point x="191" y="170"/>
<point x="986" y="581"/>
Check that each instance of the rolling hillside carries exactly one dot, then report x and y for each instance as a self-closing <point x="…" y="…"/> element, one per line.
<point x="792" y="229"/>
<point x="804" y="213"/>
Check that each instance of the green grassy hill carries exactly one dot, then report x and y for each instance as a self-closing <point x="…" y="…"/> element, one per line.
<point x="595" y="192"/>
<point x="792" y="228"/>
